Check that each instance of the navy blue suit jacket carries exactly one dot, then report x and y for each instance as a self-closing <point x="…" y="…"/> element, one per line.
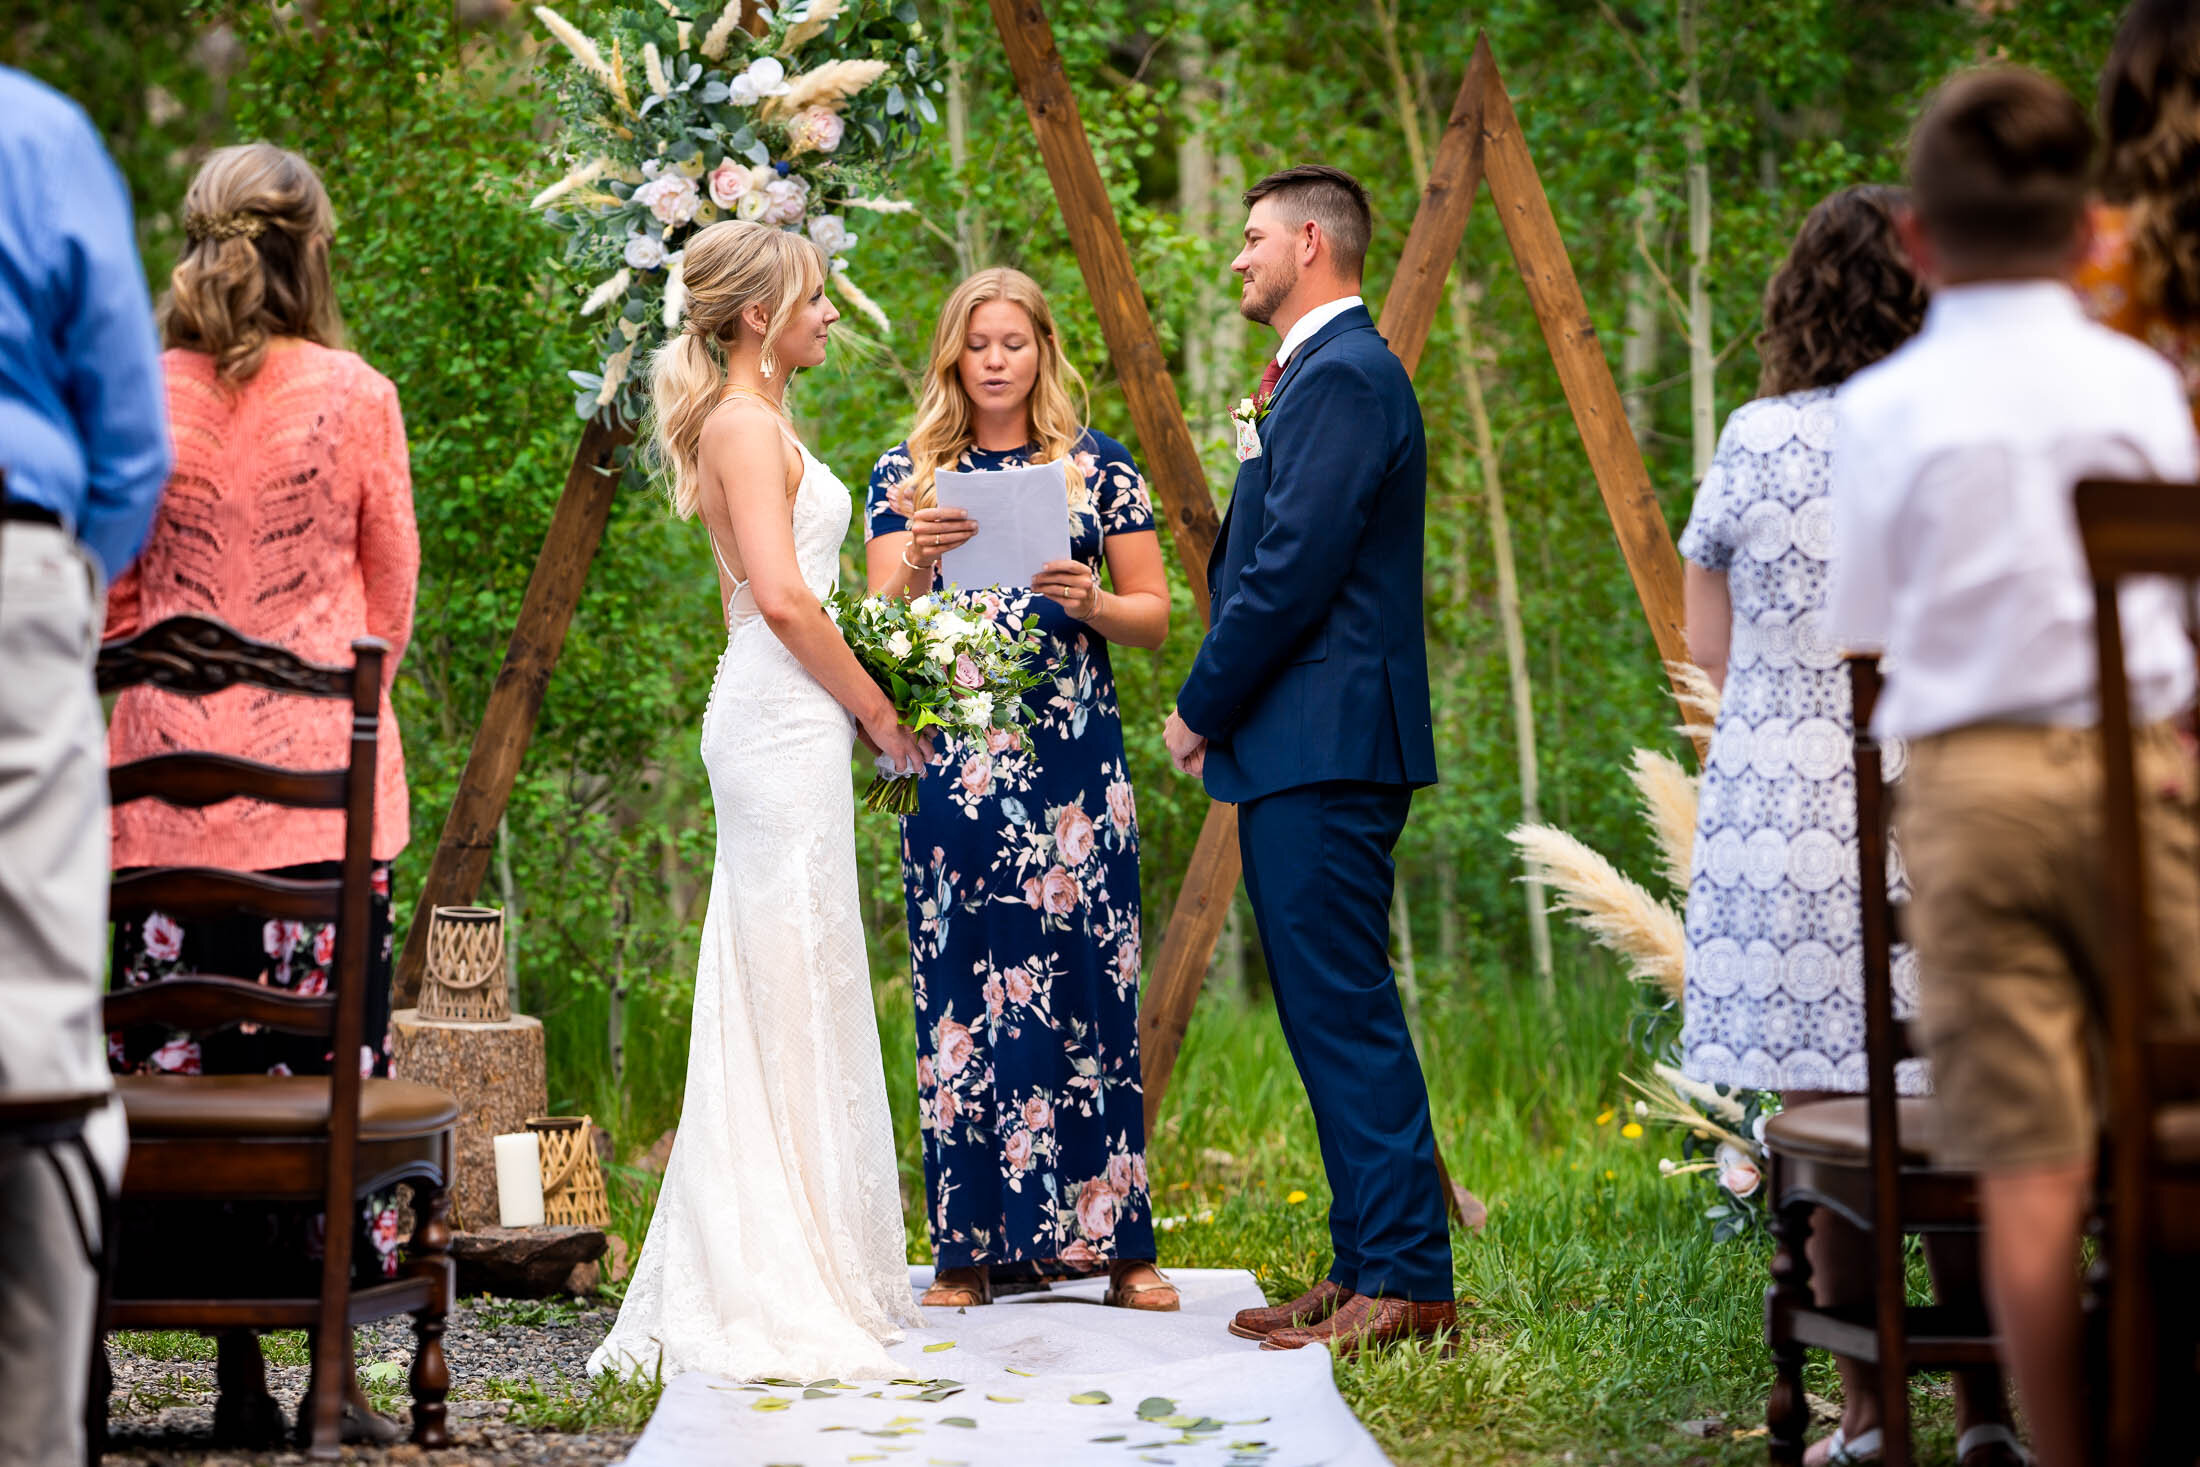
<point x="1314" y="667"/>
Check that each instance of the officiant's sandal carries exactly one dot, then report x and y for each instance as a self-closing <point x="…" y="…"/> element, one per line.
<point x="1311" y="1307"/>
<point x="959" y="1288"/>
<point x="1154" y="1294"/>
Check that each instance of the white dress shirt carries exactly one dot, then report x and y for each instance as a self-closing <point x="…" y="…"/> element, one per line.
<point x="1956" y="542"/>
<point x="1304" y="328"/>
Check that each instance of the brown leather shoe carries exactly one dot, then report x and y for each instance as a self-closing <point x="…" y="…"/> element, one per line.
<point x="1311" y="1307"/>
<point x="1366" y="1321"/>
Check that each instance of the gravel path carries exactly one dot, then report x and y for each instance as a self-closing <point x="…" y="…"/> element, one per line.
<point x="162" y="1410"/>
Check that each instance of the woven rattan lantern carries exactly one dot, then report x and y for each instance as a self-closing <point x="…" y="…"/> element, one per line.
<point x="572" y="1181"/>
<point x="465" y="970"/>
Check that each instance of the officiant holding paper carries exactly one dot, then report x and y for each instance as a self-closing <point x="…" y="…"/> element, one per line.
<point x="1020" y="865"/>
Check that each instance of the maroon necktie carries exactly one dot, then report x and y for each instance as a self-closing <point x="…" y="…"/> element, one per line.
<point x="1268" y="382"/>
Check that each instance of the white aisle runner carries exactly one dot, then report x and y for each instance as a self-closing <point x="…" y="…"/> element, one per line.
<point x="1039" y="1380"/>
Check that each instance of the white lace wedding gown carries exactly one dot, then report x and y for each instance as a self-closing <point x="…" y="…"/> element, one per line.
<point x="777" y="1245"/>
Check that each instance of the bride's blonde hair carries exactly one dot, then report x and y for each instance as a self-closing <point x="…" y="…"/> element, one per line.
<point x="726" y="268"/>
<point x="945" y="418"/>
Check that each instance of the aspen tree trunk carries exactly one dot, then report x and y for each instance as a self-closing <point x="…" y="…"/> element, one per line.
<point x="1401" y="951"/>
<point x="1702" y="410"/>
<point x="1638" y="353"/>
<point x="1493" y="495"/>
<point x="970" y="249"/>
<point x="1195" y="202"/>
<point x="622" y="914"/>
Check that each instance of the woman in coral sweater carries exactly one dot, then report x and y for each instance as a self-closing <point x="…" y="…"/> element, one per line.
<point x="289" y="517"/>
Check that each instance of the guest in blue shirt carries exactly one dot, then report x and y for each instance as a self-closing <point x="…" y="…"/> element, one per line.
<point x="83" y="420"/>
<point x="84" y="451"/>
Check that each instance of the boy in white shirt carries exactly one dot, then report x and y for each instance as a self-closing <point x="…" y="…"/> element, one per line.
<point x="1957" y="555"/>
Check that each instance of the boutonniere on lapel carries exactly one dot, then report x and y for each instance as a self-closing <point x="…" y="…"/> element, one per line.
<point x="1247" y="416"/>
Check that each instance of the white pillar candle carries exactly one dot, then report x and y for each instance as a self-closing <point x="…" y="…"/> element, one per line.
<point x="519" y="1180"/>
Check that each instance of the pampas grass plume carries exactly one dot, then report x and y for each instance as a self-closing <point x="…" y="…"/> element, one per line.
<point x="721" y="31"/>
<point x="1669" y="801"/>
<point x="583" y="49"/>
<point x="653" y="67"/>
<point x="1622" y="917"/>
<point x="614" y="373"/>
<point x="587" y="173"/>
<point x="823" y="86"/>
<point x="607" y="292"/>
<point x="880" y="206"/>
<point x="860" y="301"/>
<point x="815" y="18"/>
<point x="1699" y="699"/>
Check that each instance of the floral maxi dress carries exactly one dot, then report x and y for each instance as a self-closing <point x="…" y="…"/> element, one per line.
<point x="1020" y="869"/>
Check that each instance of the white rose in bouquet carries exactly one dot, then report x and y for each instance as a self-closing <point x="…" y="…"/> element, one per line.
<point x="976" y="710"/>
<point x="899" y="644"/>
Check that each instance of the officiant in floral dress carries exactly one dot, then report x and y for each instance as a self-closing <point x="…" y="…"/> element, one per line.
<point x="1020" y="866"/>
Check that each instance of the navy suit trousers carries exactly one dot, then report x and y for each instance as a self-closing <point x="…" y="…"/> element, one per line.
<point x="1318" y="871"/>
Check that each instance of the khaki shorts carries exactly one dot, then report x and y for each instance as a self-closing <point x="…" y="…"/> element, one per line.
<point x="2000" y="827"/>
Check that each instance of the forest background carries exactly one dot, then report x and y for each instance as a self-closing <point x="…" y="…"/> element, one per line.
<point x="1680" y="141"/>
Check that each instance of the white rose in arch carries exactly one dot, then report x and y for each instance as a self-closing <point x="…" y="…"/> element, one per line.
<point x="645" y="252"/>
<point x="765" y="77"/>
<point x="729" y="182"/>
<point x="830" y="232"/>
<point x="671" y="198"/>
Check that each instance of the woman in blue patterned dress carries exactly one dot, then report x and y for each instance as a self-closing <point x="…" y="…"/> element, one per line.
<point x="1021" y="862"/>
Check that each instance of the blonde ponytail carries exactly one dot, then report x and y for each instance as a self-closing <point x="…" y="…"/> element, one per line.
<point x="259" y="224"/>
<point x="726" y="268"/>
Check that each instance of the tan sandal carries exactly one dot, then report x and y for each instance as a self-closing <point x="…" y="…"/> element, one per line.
<point x="959" y="1288"/>
<point x="1158" y="1296"/>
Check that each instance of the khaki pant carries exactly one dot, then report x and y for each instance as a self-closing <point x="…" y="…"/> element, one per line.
<point x="53" y="921"/>
<point x="2001" y="832"/>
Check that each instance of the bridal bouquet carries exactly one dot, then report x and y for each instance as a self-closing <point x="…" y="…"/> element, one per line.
<point x="948" y="661"/>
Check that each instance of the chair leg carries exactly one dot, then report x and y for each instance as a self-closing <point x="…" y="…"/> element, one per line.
<point x="1787" y="1411"/>
<point x="431" y="1376"/>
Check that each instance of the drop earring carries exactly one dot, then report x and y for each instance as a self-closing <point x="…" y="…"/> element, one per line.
<point x="764" y="362"/>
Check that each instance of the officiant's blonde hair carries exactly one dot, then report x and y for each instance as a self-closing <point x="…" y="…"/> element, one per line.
<point x="725" y="269"/>
<point x="945" y="417"/>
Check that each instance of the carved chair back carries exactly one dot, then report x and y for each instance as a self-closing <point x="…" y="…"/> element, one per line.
<point x="2134" y="529"/>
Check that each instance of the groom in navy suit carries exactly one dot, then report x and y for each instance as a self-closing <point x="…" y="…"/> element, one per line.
<point x="1308" y="708"/>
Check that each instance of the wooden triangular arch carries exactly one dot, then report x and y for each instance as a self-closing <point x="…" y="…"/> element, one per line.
<point x="1481" y="141"/>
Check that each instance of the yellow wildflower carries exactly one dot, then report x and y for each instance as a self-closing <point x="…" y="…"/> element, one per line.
<point x="1632" y="1130"/>
<point x="1604" y="1117"/>
<point x="1295" y="1197"/>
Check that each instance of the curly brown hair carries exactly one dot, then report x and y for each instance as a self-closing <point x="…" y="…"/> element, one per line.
<point x="2150" y="114"/>
<point x="1844" y="297"/>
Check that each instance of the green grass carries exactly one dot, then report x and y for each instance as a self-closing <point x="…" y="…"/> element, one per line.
<point x="1602" y="1316"/>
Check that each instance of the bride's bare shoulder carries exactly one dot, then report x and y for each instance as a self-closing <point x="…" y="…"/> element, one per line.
<point x="739" y="434"/>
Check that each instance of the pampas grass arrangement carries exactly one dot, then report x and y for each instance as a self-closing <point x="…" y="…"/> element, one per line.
<point x="1645" y="933"/>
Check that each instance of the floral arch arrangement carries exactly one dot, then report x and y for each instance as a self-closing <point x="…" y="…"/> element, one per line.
<point x="687" y="116"/>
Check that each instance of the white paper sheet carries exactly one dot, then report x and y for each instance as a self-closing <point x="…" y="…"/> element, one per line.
<point x="1023" y="522"/>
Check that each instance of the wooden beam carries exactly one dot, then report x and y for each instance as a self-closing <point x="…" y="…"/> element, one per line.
<point x="1187" y="948"/>
<point x="1417" y="286"/>
<point x="1172" y="460"/>
<point x="1599" y="417"/>
<point x="508" y="722"/>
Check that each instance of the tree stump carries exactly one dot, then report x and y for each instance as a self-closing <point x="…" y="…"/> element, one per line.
<point x="496" y="1071"/>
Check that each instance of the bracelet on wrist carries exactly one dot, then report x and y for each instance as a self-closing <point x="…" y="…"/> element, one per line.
<point x="922" y="570"/>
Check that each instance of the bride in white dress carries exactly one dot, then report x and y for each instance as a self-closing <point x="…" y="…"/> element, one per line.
<point x="777" y="1245"/>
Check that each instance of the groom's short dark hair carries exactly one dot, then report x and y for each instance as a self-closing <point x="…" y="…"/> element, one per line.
<point x="1331" y="198"/>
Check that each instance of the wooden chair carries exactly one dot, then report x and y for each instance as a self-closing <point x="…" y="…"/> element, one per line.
<point x="2151" y="1152"/>
<point x="1865" y="1160"/>
<point x="329" y="1140"/>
